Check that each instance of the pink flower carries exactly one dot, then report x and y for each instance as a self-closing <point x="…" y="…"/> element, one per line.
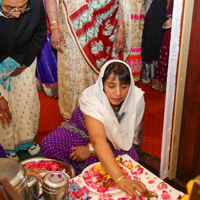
<point x="162" y="185"/>
<point x="165" y="195"/>
<point x="79" y="182"/>
<point x="86" y="190"/>
<point x="86" y="175"/>
<point x="72" y="194"/>
<point x="101" y="189"/>
<point x="140" y="170"/>
<point x="93" y="185"/>
<point x="151" y="181"/>
<point x="88" y="180"/>
<point x="132" y="16"/>
<point x="98" y="176"/>
<point x="71" y="182"/>
<point x="136" y="17"/>
<point x="113" y="187"/>
<point x="54" y="167"/>
<point x="141" y="16"/>
<point x="79" y="193"/>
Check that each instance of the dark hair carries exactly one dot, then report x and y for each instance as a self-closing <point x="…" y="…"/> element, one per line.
<point x="119" y="70"/>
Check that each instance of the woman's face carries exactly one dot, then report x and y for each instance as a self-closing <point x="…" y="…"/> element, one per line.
<point x="13" y="5"/>
<point x="115" y="91"/>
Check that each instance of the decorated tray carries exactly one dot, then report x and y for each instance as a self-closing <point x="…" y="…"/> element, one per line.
<point x="99" y="181"/>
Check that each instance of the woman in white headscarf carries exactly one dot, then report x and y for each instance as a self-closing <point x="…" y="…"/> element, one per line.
<point x="106" y="123"/>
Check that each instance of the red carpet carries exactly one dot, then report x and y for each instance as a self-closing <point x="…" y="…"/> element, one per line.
<point x="50" y="118"/>
<point x="152" y="120"/>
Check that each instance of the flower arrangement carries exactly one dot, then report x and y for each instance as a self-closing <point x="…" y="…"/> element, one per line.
<point x="47" y="165"/>
<point x="98" y="179"/>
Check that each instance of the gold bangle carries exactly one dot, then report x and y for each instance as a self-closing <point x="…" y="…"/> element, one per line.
<point x="53" y="22"/>
<point x="52" y="27"/>
<point x="120" y="26"/>
<point x="0" y="96"/>
<point x="119" y="179"/>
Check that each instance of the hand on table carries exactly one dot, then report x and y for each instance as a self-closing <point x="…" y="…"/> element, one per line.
<point x="131" y="187"/>
<point x="5" y="114"/>
<point x="36" y="172"/>
<point x="57" y="39"/>
<point x="80" y="153"/>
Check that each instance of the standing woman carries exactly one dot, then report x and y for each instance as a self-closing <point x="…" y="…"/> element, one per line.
<point x="160" y="77"/>
<point x="47" y="65"/>
<point x="86" y="35"/>
<point x="23" y="26"/>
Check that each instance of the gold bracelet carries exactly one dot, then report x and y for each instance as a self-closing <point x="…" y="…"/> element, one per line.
<point x="120" y="26"/>
<point x="52" y="27"/>
<point x="0" y="96"/>
<point x="53" y="22"/>
<point x="119" y="179"/>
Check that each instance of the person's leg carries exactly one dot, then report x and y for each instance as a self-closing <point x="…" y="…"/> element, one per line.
<point x="24" y="104"/>
<point x="58" y="144"/>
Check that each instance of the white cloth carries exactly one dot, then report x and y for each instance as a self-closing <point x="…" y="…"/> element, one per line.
<point x="24" y="105"/>
<point x="94" y="103"/>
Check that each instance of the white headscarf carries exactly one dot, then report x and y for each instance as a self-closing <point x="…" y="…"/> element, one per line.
<point x="95" y="103"/>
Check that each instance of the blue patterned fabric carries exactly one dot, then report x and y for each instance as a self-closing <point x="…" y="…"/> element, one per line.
<point x="0" y="3"/>
<point x="6" y="68"/>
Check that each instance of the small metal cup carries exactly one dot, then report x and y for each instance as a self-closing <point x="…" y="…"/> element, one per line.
<point x="33" y="187"/>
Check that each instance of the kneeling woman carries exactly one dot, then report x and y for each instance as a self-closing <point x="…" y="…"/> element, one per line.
<point x="108" y="118"/>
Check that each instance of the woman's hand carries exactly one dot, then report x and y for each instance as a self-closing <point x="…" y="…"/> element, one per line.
<point x="5" y="114"/>
<point x="57" y="39"/>
<point x="131" y="187"/>
<point x="80" y="153"/>
<point x="119" y="42"/>
<point x="18" y="71"/>
<point x="36" y="172"/>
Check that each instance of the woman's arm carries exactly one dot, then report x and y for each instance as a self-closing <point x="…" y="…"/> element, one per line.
<point x="120" y="36"/>
<point x="97" y="135"/>
<point x="57" y="38"/>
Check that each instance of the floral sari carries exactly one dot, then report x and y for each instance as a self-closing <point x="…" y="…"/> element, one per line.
<point x="89" y="28"/>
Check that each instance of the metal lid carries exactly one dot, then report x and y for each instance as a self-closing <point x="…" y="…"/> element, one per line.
<point x="55" y="180"/>
<point x="13" y="171"/>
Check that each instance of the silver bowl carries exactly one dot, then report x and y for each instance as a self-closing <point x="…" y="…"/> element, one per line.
<point x="36" y="159"/>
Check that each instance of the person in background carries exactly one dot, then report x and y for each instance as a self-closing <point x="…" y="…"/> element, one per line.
<point x="104" y="126"/>
<point x="160" y="77"/>
<point x="23" y="28"/>
<point x="152" y="37"/>
<point x="47" y="65"/>
<point x="86" y="35"/>
<point x="134" y="59"/>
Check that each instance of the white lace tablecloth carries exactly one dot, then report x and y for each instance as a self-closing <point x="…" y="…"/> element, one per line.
<point x="152" y="182"/>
